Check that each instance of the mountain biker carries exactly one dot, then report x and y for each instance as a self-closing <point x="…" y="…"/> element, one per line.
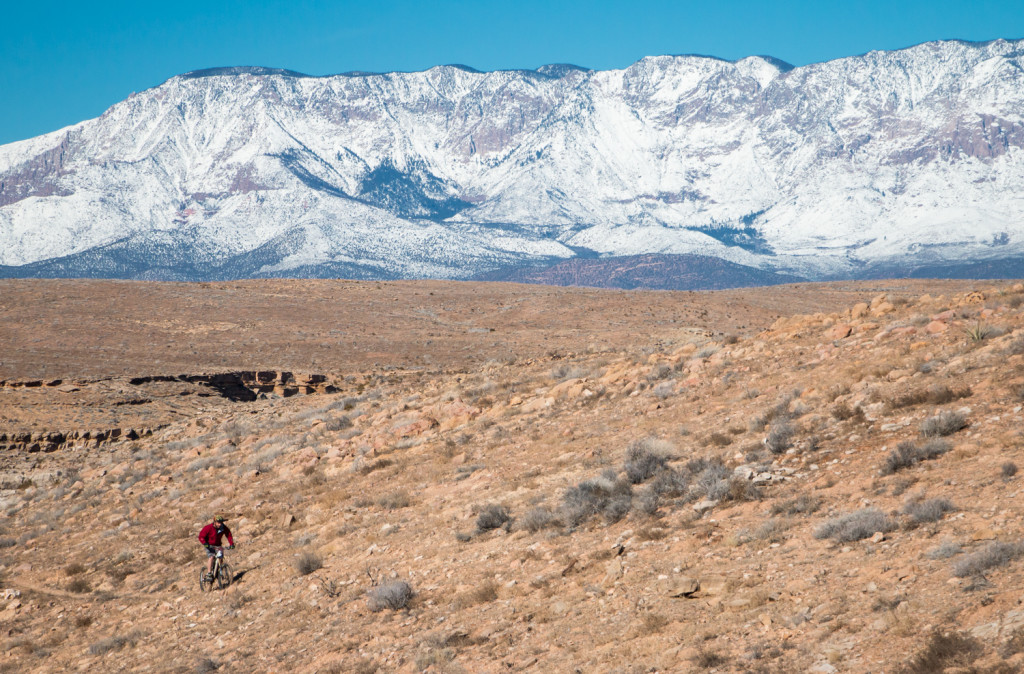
<point x="210" y="538"/>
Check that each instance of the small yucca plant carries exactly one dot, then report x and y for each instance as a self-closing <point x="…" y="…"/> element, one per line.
<point x="978" y="332"/>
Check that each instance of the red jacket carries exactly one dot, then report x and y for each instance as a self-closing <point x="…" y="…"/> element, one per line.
<point x="211" y="533"/>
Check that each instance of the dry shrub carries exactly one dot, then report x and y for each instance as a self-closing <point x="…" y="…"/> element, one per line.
<point x="804" y="504"/>
<point x="338" y="424"/>
<point x="363" y="667"/>
<point x="484" y="593"/>
<point x="567" y="371"/>
<point x="944" y="651"/>
<point x="537" y="519"/>
<point x="368" y="468"/>
<point x="308" y="562"/>
<point x="1008" y="469"/>
<point x="435" y="660"/>
<point x="647" y="502"/>
<point x="780" y="437"/>
<point x="938" y="394"/>
<point x="645" y="458"/>
<point x="945" y="550"/>
<point x="741" y="489"/>
<point x="79" y="586"/>
<point x="650" y="623"/>
<point x="73" y="569"/>
<point x="651" y="533"/>
<point x="394" y="596"/>
<point x="855" y="526"/>
<point x="770" y="531"/>
<point x="118" y="574"/>
<point x="26" y="645"/>
<point x="719" y="439"/>
<point x="993" y="555"/>
<point x="908" y="453"/>
<point x="605" y="495"/>
<point x="883" y="603"/>
<point x="943" y="423"/>
<point x="395" y="500"/>
<point x="670" y="483"/>
<point x="709" y="659"/>
<point x="492" y="516"/>
<point x="932" y="510"/>
<point x="115" y="643"/>
<point x="239" y="600"/>
<point x="779" y="411"/>
<point x="843" y="412"/>
<point x="1016" y="347"/>
<point x="1013" y="645"/>
<point x="707" y="351"/>
<point x="899" y="487"/>
<point x="711" y="478"/>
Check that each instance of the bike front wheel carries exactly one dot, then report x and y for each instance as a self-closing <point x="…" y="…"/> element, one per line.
<point x="223" y="576"/>
<point x="205" y="584"/>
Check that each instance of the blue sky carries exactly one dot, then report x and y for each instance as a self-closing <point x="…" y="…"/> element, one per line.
<point x="62" y="62"/>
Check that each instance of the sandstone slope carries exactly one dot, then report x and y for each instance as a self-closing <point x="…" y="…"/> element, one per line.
<point x="825" y="495"/>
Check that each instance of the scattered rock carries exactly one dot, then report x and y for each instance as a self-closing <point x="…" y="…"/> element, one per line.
<point x="800" y="617"/>
<point x="683" y="587"/>
<point x="983" y="535"/>
<point x="613" y="571"/>
<point x="704" y="506"/>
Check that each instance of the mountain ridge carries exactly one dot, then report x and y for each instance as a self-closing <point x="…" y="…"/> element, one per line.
<point x="909" y="158"/>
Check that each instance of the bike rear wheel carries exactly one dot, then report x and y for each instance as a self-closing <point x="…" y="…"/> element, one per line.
<point x="223" y="575"/>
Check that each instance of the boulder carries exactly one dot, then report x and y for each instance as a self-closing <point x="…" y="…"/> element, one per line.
<point x="683" y="587"/>
<point x="417" y="427"/>
<point x="538" y="404"/>
<point x="839" y="331"/>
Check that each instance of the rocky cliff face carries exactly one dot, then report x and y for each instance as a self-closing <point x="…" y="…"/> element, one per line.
<point x="891" y="160"/>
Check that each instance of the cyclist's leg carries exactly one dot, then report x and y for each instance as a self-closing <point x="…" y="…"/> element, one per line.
<point x="210" y="554"/>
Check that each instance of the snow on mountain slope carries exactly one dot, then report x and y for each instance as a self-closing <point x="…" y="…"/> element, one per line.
<point x="887" y="160"/>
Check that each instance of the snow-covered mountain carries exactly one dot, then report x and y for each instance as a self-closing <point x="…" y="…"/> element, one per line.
<point x="879" y="163"/>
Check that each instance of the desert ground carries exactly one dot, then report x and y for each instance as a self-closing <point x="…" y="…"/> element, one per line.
<point x="474" y="477"/>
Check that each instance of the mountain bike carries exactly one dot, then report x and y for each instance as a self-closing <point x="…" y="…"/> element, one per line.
<point x="221" y="573"/>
